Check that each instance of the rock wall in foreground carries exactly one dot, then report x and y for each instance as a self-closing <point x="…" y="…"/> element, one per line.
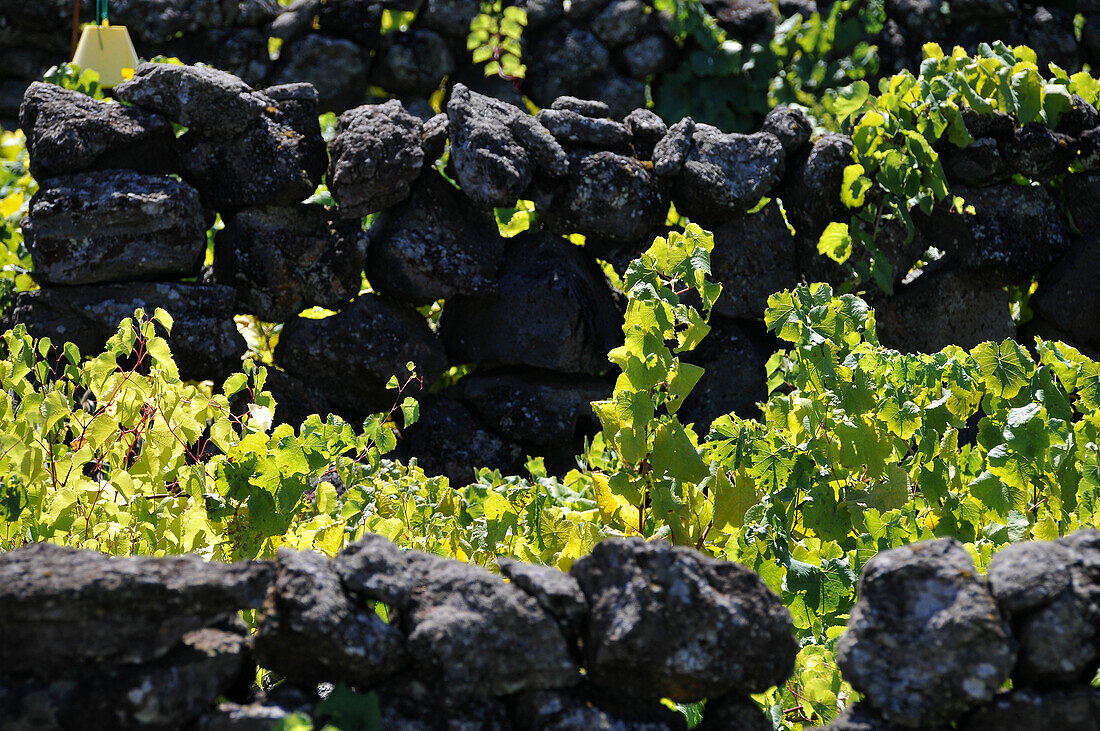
<point x="94" y="641"/>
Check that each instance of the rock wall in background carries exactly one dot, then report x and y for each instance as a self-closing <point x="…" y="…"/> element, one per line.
<point x="92" y="641"/>
<point x="112" y="228"/>
<point x="612" y="50"/>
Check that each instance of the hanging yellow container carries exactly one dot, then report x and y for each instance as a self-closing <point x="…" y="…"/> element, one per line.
<point x="106" y="49"/>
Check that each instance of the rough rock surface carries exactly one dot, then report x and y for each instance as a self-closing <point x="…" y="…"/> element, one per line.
<point x="944" y="306"/>
<point x="556" y="591"/>
<point x="114" y="225"/>
<point x="668" y="622"/>
<point x="1024" y="709"/>
<point x="204" y="340"/>
<point x="495" y="148"/>
<point x="1048" y="591"/>
<point x="671" y="151"/>
<point x="209" y="102"/>
<point x="1038" y="152"/>
<point x="725" y="175"/>
<point x="811" y="199"/>
<point x="753" y="256"/>
<point x="168" y="692"/>
<point x="434" y="246"/>
<point x="271" y="163"/>
<point x="69" y="132"/>
<point x="734" y="713"/>
<point x="646" y="130"/>
<point x="605" y="195"/>
<point x="925" y="642"/>
<point x="375" y="156"/>
<point x="980" y="163"/>
<point x="310" y="632"/>
<point x="336" y="67"/>
<point x="64" y="608"/>
<point x="1015" y="232"/>
<point x="790" y="126"/>
<point x="448" y="440"/>
<point x="587" y="708"/>
<point x="413" y="62"/>
<point x="531" y="406"/>
<point x="351" y="356"/>
<point x="571" y="127"/>
<point x="285" y="259"/>
<point x="470" y="634"/>
<point x="585" y="107"/>
<point x="861" y="716"/>
<point x="552" y="309"/>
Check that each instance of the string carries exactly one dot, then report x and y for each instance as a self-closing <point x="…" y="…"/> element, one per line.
<point x="101" y="11"/>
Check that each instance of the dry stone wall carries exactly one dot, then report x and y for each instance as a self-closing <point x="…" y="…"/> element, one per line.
<point x="92" y="641"/>
<point x="124" y="206"/>
<point x="605" y="49"/>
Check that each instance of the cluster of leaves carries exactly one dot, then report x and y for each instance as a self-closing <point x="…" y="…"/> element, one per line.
<point x="732" y="83"/>
<point x="16" y="189"/>
<point x="114" y="452"/>
<point x="494" y="40"/>
<point x="896" y="171"/>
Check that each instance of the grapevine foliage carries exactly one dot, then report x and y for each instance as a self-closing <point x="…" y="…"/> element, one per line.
<point x="896" y="171"/>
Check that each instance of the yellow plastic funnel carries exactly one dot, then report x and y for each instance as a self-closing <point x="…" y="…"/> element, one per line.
<point x="108" y="50"/>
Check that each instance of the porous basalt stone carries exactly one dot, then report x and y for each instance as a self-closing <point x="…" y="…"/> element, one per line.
<point x="735" y="378"/>
<point x="556" y="591"/>
<point x="448" y="440"/>
<point x="1038" y="152"/>
<point x="1048" y="590"/>
<point x="789" y="125"/>
<point x="925" y="643"/>
<point x="944" y="306"/>
<point x="272" y="163"/>
<point x="572" y="128"/>
<point x="285" y="259"/>
<point x="533" y="407"/>
<point x="65" y="609"/>
<point x="605" y="196"/>
<point x="310" y="631"/>
<point x="412" y="62"/>
<point x="434" y="246"/>
<point x="552" y="309"/>
<point x="495" y="148"/>
<point x="69" y="132"/>
<point x="646" y="130"/>
<point x="734" y="713"/>
<point x="168" y="692"/>
<point x="668" y="622"/>
<point x="352" y="355"/>
<point x="979" y="163"/>
<point x="114" y="225"/>
<point x="753" y="256"/>
<point x="209" y="102"/>
<point x="374" y="157"/>
<point x="470" y="634"/>
<point x="337" y="67"/>
<point x="585" y="107"/>
<point x="1015" y="232"/>
<point x="724" y="175"/>
<point x="586" y="707"/>
<point x="1075" y="708"/>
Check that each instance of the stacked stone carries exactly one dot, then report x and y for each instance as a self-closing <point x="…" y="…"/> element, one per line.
<point x="111" y="230"/>
<point x="931" y="643"/>
<point x="92" y="641"/>
<point x="155" y="642"/>
<point x="534" y="313"/>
